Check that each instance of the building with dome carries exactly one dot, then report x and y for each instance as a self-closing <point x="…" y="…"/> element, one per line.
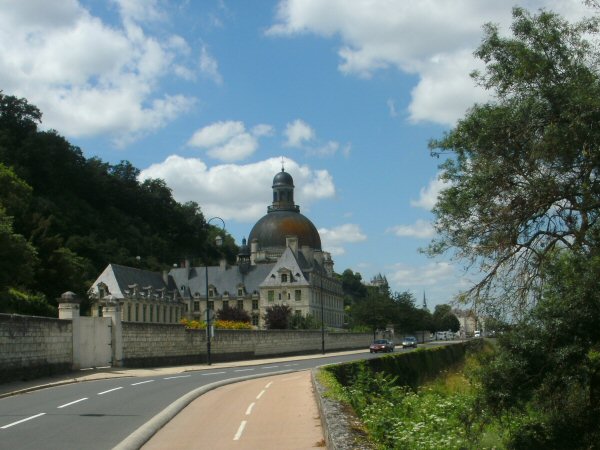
<point x="281" y="263"/>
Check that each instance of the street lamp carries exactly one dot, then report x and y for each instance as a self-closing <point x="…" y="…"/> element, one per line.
<point x="219" y="242"/>
<point x="322" y="319"/>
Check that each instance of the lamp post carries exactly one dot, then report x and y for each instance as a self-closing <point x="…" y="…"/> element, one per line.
<point x="219" y="242"/>
<point x="322" y="318"/>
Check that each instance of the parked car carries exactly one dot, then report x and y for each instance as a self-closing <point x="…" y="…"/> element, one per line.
<point x="409" y="341"/>
<point x="382" y="345"/>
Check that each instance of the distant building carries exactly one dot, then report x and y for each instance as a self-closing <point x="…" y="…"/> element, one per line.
<point x="380" y="282"/>
<point x="283" y="264"/>
<point x="468" y="322"/>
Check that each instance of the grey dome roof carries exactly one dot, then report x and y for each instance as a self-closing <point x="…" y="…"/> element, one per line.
<point x="283" y="179"/>
<point x="272" y="229"/>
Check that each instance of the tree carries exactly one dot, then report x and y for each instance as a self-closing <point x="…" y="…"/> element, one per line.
<point x="523" y="172"/>
<point x="444" y="319"/>
<point x="300" y="322"/>
<point x="233" y="314"/>
<point x="377" y="311"/>
<point x="352" y="286"/>
<point x="277" y="317"/>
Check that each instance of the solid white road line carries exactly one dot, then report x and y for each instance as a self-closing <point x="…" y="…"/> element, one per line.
<point x="240" y="430"/>
<point x="178" y="376"/>
<point x="249" y="410"/>
<point x="21" y="421"/>
<point x="72" y="403"/>
<point x="142" y="382"/>
<point x="110" y="390"/>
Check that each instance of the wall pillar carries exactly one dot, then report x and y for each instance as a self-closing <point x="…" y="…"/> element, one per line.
<point x="68" y="309"/>
<point x="112" y="309"/>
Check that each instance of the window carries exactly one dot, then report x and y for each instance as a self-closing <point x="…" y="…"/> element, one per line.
<point x="144" y="313"/>
<point x="211" y="292"/>
<point x="211" y="305"/>
<point x="284" y="277"/>
<point x="254" y="304"/>
<point x="255" y="320"/>
<point x="137" y="312"/>
<point x="279" y="296"/>
<point x="129" y="312"/>
<point x="271" y="295"/>
<point x="240" y="304"/>
<point x="240" y="292"/>
<point x="298" y="312"/>
<point x="225" y="304"/>
<point x="151" y="313"/>
<point x="297" y="295"/>
<point x="196" y="306"/>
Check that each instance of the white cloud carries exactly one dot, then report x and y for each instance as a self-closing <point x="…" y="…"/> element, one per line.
<point x="440" y="281"/>
<point x="297" y="133"/>
<point x="106" y="83"/>
<point x="434" y="40"/>
<point x="421" y="229"/>
<point x="229" y="141"/>
<point x="209" y="66"/>
<point x="428" y="195"/>
<point x="334" y="238"/>
<point x="237" y="192"/>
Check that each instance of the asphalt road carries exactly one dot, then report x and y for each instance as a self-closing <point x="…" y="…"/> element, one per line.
<point x="100" y="414"/>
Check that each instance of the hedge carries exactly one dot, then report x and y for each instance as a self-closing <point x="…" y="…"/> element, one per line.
<point x="409" y="368"/>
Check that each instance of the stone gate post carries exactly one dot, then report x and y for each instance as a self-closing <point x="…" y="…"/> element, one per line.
<point x="68" y="308"/>
<point x="112" y="309"/>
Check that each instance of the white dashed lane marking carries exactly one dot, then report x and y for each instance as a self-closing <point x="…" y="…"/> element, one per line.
<point x="72" y="403"/>
<point x="142" y="382"/>
<point x="110" y="390"/>
<point x="21" y="421"/>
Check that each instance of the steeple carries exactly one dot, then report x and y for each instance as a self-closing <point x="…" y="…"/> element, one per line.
<point x="424" y="301"/>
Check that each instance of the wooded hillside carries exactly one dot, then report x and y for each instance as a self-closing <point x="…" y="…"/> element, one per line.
<point x="64" y="217"/>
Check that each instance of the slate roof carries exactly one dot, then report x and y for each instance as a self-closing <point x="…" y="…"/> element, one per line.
<point x="224" y="279"/>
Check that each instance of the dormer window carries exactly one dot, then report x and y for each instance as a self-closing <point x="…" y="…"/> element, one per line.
<point x="211" y="292"/>
<point x="284" y="277"/>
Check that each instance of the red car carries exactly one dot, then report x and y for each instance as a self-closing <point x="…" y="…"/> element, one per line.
<point x="381" y="345"/>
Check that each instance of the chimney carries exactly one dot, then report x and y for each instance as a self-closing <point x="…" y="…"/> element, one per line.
<point x="292" y="242"/>
<point x="253" y="251"/>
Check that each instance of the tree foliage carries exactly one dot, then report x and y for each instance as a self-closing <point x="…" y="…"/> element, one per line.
<point x="523" y="172"/>
<point x="444" y="319"/>
<point x="64" y="217"/>
<point x="523" y="205"/>
<point x="277" y="317"/>
<point x="234" y="315"/>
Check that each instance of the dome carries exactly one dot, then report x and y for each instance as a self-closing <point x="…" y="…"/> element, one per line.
<point x="283" y="179"/>
<point x="273" y="228"/>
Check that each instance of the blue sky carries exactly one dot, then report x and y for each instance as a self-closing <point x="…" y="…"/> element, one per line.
<point x="210" y="95"/>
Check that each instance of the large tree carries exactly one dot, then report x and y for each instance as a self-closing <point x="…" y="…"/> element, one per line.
<point x="522" y="169"/>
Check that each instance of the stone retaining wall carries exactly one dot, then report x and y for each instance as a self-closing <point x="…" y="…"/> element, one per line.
<point x="161" y="344"/>
<point x="32" y="347"/>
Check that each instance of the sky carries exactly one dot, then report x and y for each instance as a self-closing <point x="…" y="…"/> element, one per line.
<point x="212" y="96"/>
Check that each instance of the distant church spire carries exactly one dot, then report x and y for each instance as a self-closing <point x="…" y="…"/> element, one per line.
<point x="424" y="301"/>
